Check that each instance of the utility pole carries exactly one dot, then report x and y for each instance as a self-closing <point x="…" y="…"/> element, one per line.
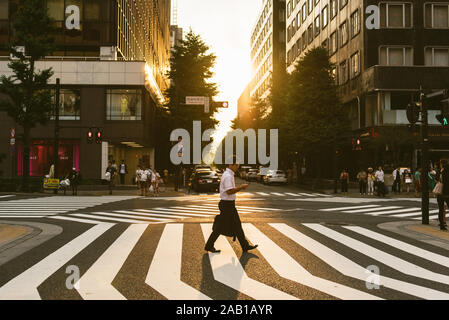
<point x="424" y="158"/>
<point x="56" y="142"/>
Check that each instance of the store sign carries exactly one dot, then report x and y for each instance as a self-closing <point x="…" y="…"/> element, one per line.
<point x="51" y="183"/>
<point x="372" y="17"/>
<point x="73" y="20"/>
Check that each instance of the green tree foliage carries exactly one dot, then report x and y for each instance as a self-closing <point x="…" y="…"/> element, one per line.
<point x="28" y="99"/>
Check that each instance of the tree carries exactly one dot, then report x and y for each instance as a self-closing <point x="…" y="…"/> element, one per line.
<point x="29" y="100"/>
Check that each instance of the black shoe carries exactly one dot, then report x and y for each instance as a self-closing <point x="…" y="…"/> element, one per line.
<point x="250" y="248"/>
<point x="443" y="228"/>
<point x="213" y="250"/>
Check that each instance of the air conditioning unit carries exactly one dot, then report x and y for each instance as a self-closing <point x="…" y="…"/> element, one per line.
<point x="108" y="53"/>
<point x="19" y="49"/>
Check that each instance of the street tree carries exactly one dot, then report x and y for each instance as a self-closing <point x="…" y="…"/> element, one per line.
<point x="28" y="99"/>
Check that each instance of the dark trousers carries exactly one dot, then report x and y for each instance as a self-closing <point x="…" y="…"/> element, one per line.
<point x="381" y="189"/>
<point x="214" y="236"/>
<point x="362" y="186"/>
<point x="178" y="177"/>
<point x="396" y="186"/>
<point x="441" y="200"/>
<point x="344" y="186"/>
<point x="122" y="178"/>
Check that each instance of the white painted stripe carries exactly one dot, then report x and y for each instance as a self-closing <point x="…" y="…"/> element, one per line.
<point x="7" y="196"/>
<point x="75" y="219"/>
<point x="246" y="193"/>
<point x="30" y="210"/>
<point x="430" y="217"/>
<point x="197" y="208"/>
<point x="278" y="194"/>
<point x="214" y="208"/>
<point x="227" y="269"/>
<point x="106" y="218"/>
<point x="263" y="193"/>
<point x="401" y="245"/>
<point x="371" y="210"/>
<point x="164" y="274"/>
<point x="352" y="269"/>
<point x="128" y="216"/>
<point x="393" y="211"/>
<point x="306" y="194"/>
<point x="188" y="211"/>
<point x="21" y="216"/>
<point x="96" y="283"/>
<point x="414" y="214"/>
<point x="289" y="268"/>
<point x="24" y="286"/>
<point x="292" y="194"/>
<point x="177" y="213"/>
<point x="386" y="258"/>
<point x="353" y="207"/>
<point x="258" y="208"/>
<point x="149" y="214"/>
<point x="320" y="195"/>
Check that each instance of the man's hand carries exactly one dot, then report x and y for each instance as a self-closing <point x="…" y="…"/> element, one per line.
<point x="243" y="186"/>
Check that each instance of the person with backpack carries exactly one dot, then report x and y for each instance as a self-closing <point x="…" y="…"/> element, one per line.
<point x="344" y="179"/>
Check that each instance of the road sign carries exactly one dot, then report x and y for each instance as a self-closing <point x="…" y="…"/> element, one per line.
<point x="12" y="141"/>
<point x="13" y="133"/>
<point x="195" y="100"/>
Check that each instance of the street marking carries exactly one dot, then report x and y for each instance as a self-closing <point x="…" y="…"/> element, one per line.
<point x="127" y="216"/>
<point x="106" y="218"/>
<point x="188" y="215"/>
<point x="414" y="213"/>
<point x="347" y="208"/>
<point x="430" y="217"/>
<point x="96" y="283"/>
<point x="24" y="286"/>
<point x="75" y="219"/>
<point x="21" y="216"/>
<point x="370" y="210"/>
<point x="257" y="208"/>
<point x="227" y="269"/>
<point x="263" y="193"/>
<point x="292" y="194"/>
<point x="7" y="196"/>
<point x="408" y="248"/>
<point x="188" y="211"/>
<point x="278" y="194"/>
<point x="289" y="268"/>
<point x="352" y="269"/>
<point x="140" y="214"/>
<point x="386" y="258"/>
<point x="393" y="211"/>
<point x="305" y="194"/>
<point x="164" y="274"/>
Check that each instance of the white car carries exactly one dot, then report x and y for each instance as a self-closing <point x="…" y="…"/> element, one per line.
<point x="275" y="176"/>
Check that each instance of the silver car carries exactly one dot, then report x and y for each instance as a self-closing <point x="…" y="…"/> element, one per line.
<point x="275" y="176"/>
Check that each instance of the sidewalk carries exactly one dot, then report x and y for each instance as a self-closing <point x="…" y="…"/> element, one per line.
<point x="11" y="232"/>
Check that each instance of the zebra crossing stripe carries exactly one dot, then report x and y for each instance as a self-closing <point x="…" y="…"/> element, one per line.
<point x="129" y="216"/>
<point x="263" y="193"/>
<point x="292" y="194"/>
<point x="24" y="286"/>
<point x="74" y="219"/>
<point x="430" y="217"/>
<point x="96" y="283"/>
<point x="352" y="269"/>
<point x="227" y="269"/>
<point x="140" y="214"/>
<point x="21" y="216"/>
<point x="164" y="274"/>
<point x="193" y="212"/>
<point x="305" y="194"/>
<point x="411" y="249"/>
<point x="106" y="218"/>
<point x="386" y="258"/>
<point x="7" y="196"/>
<point x="257" y="208"/>
<point x="347" y="208"/>
<point x="278" y="194"/>
<point x="290" y="269"/>
<point x="189" y="215"/>
<point x="393" y="211"/>
<point x="370" y="209"/>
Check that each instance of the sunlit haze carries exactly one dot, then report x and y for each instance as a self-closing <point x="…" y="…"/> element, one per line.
<point x="225" y="25"/>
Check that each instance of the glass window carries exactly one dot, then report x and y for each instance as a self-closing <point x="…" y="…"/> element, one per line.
<point x="304" y="40"/>
<point x="124" y="104"/>
<point x="310" y="33"/>
<point x="343" y="33"/>
<point x="355" y="64"/>
<point x="298" y="47"/>
<point x="324" y="17"/>
<point x="4" y="11"/>
<point x="289" y="8"/>
<point x="355" y="23"/>
<point x="396" y="56"/>
<point x="437" y="57"/>
<point x="395" y="15"/>
<point x="343" y="3"/>
<point x="69" y="104"/>
<point x="333" y="8"/>
<point x="310" y="6"/>
<point x="317" y="2"/>
<point x="334" y="74"/>
<point x="298" y="20"/>
<point x="304" y="12"/>
<point x="317" y="25"/>
<point x="343" y="72"/>
<point x="325" y="44"/>
<point x="333" y="43"/>
<point x="437" y="15"/>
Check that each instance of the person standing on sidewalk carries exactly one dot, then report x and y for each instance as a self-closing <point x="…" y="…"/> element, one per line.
<point x="344" y="179"/>
<point x="443" y="177"/>
<point x="112" y="173"/>
<point x="74" y="181"/>
<point x="123" y="172"/>
<point x="407" y="177"/>
<point x="361" y="177"/>
<point x="396" y="180"/>
<point x="380" y="179"/>
<point x="417" y="182"/>
<point x="228" y="222"/>
<point x="370" y="181"/>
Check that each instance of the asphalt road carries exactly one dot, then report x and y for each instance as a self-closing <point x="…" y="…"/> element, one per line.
<point x="311" y="246"/>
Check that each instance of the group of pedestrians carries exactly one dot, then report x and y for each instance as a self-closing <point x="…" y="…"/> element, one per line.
<point x="148" y="179"/>
<point x="370" y="182"/>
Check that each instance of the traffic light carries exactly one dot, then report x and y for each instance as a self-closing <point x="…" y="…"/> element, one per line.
<point x="221" y="104"/>
<point x="98" y="136"/>
<point x="443" y="118"/>
<point x="412" y="112"/>
<point x="356" y="144"/>
<point x="90" y="136"/>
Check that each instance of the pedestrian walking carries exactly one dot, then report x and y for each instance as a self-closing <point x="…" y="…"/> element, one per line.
<point x="408" y="180"/>
<point x="370" y="181"/>
<point x="396" y="187"/>
<point x="178" y="168"/>
<point x="139" y="180"/>
<point x="228" y="222"/>
<point x="380" y="181"/>
<point x="344" y="180"/>
<point x="362" y="178"/>
<point x="417" y="179"/>
<point x="443" y="197"/>
<point x="74" y="181"/>
<point x="111" y="173"/>
<point x="155" y="182"/>
<point x="123" y="172"/>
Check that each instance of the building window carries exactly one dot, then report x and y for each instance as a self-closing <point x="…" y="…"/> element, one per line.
<point x="437" y="15"/>
<point x="334" y="75"/>
<point x="289" y="8"/>
<point x="69" y="104"/>
<point x="333" y="8"/>
<point x="437" y="56"/>
<point x="333" y="45"/>
<point x="298" y="20"/>
<point x="343" y="3"/>
<point x="396" y="56"/>
<point x="298" y="47"/>
<point x="395" y="15"/>
<point x="343" y="72"/>
<point x="317" y="25"/>
<point x="304" y="12"/>
<point x="355" y="23"/>
<point x="310" y="33"/>
<point x="309" y="6"/>
<point x="343" y="34"/>
<point x="355" y="64"/>
<point x="324" y="17"/>
<point x="124" y="104"/>
<point x="304" y="40"/>
<point x="324" y="44"/>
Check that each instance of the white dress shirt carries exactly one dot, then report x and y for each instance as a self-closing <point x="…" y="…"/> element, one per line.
<point x="227" y="183"/>
<point x="379" y="175"/>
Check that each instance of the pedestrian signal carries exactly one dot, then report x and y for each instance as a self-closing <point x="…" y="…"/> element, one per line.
<point x="90" y="136"/>
<point x="98" y="136"/>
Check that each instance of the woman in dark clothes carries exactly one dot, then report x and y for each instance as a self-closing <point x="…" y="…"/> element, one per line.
<point x="443" y="177"/>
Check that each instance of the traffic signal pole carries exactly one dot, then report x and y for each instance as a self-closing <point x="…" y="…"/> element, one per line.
<point x="424" y="160"/>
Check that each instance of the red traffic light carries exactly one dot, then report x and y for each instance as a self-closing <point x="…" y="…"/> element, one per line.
<point x="89" y="134"/>
<point x="358" y="142"/>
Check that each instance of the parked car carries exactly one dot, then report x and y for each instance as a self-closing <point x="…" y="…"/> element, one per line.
<point x="275" y="176"/>
<point x="204" y="180"/>
<point x="251" y="174"/>
<point x="243" y="170"/>
<point x="261" y="174"/>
